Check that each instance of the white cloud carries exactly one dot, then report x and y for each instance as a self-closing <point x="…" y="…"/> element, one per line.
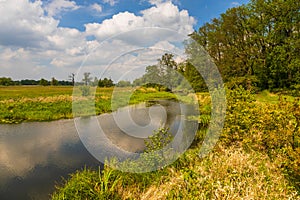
<point x="234" y="4"/>
<point x="96" y="7"/>
<point x="164" y="15"/>
<point x="27" y="23"/>
<point x="110" y="2"/>
<point x="39" y="48"/>
<point x="55" y="7"/>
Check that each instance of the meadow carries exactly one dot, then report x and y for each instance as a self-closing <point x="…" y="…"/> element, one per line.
<point x="256" y="157"/>
<point x="45" y="103"/>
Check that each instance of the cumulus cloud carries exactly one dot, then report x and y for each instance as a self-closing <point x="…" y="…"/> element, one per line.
<point x="96" y="7"/>
<point x="164" y="15"/>
<point x="26" y="21"/>
<point x="55" y="7"/>
<point x="40" y="48"/>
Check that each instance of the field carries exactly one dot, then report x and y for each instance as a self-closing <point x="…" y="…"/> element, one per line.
<point x="39" y="103"/>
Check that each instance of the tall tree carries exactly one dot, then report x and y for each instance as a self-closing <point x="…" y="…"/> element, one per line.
<point x="72" y="78"/>
<point x="86" y="78"/>
<point x="54" y="82"/>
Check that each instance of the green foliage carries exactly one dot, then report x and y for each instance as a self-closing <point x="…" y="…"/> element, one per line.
<point x="257" y="42"/>
<point x="160" y="138"/>
<point x="123" y="83"/>
<point x="163" y="76"/>
<point x="89" y="184"/>
<point x="43" y="82"/>
<point x="86" y="78"/>
<point x="6" y="81"/>
<point x="105" y="83"/>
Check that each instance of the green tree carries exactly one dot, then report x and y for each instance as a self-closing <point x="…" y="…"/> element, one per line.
<point x="6" y="81"/>
<point x="54" y="82"/>
<point x="86" y="78"/>
<point x="257" y="42"/>
<point x="105" y="83"/>
<point x="72" y="78"/>
<point x="43" y="82"/>
<point x="123" y="83"/>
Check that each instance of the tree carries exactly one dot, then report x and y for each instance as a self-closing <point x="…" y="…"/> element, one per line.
<point x="43" y="82"/>
<point x="54" y="82"/>
<point x="86" y="78"/>
<point x="72" y="78"/>
<point x="105" y="83"/>
<point x="257" y="42"/>
<point x="6" y="81"/>
<point x="164" y="74"/>
<point x="95" y="82"/>
<point x="123" y="83"/>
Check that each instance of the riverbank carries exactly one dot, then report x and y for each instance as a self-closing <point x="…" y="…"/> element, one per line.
<point x="256" y="157"/>
<point x="38" y="103"/>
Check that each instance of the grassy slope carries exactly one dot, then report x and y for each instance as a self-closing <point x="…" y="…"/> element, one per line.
<point x="257" y="157"/>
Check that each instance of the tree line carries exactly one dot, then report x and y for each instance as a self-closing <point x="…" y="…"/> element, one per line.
<point x="255" y="44"/>
<point x="7" y="81"/>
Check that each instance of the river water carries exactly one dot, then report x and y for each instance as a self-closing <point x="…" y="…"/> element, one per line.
<point x="35" y="156"/>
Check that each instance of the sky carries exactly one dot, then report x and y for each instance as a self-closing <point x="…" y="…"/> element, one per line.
<point x="108" y="38"/>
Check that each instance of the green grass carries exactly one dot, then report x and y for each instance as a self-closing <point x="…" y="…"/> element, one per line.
<point x="268" y="97"/>
<point x="39" y="103"/>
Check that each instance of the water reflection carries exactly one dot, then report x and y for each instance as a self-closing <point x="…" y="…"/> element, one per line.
<point x="33" y="156"/>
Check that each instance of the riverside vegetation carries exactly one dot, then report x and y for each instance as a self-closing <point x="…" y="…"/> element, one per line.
<point x="40" y="103"/>
<point x="256" y="157"/>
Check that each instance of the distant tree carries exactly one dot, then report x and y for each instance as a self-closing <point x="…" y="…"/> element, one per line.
<point x="29" y="82"/>
<point x="138" y="81"/>
<point x="105" y="83"/>
<point x="86" y="78"/>
<point x="6" y="81"/>
<point x="72" y="78"/>
<point x="65" y="83"/>
<point x="43" y="82"/>
<point x="95" y="82"/>
<point x="123" y="83"/>
<point x="54" y="82"/>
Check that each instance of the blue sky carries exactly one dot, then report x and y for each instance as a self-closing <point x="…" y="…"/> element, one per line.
<point x="202" y="10"/>
<point x="53" y="38"/>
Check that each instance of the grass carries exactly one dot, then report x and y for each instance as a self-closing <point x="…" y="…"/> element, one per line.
<point x="257" y="157"/>
<point x="268" y="97"/>
<point x="39" y="103"/>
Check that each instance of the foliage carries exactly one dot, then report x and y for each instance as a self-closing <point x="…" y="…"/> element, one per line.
<point x="86" y="78"/>
<point x="123" y="83"/>
<point x="79" y="187"/>
<point x="43" y="82"/>
<point x="6" y="81"/>
<point x="163" y="76"/>
<point x="257" y="42"/>
<point x="158" y="140"/>
<point x="54" y="82"/>
<point x="105" y="83"/>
